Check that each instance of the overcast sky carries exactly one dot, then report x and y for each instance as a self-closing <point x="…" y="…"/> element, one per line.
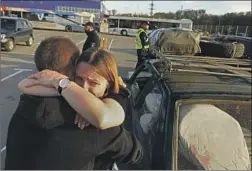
<point x="211" y="7"/>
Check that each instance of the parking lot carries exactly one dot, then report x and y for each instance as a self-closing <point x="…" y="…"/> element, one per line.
<point x="19" y="63"/>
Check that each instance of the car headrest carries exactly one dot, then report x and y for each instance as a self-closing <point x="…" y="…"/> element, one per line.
<point x="147" y="122"/>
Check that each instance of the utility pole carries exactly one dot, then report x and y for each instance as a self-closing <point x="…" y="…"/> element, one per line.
<point x="137" y="10"/>
<point x="151" y="8"/>
<point x="181" y="12"/>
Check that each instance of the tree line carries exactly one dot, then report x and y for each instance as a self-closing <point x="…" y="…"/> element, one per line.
<point x="199" y="17"/>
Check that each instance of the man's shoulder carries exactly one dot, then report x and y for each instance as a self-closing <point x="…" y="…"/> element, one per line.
<point x="45" y="111"/>
<point x="96" y="35"/>
<point x="49" y="101"/>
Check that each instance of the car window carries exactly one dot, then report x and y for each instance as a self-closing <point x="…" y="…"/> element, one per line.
<point x="19" y="24"/>
<point x="141" y="80"/>
<point x="8" y="24"/>
<point x="150" y="113"/>
<point x="29" y="24"/>
<point x="23" y="24"/>
<point x="152" y="104"/>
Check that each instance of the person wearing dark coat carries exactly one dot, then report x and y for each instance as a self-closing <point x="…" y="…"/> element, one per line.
<point x="93" y="39"/>
<point x="42" y="134"/>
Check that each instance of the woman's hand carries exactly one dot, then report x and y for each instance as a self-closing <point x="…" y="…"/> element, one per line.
<point x="82" y="122"/>
<point x="47" y="78"/>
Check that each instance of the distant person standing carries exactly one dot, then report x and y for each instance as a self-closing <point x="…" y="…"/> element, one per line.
<point x="142" y="43"/>
<point x="93" y="39"/>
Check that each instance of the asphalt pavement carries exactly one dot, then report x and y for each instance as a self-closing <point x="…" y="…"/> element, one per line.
<point x="18" y="64"/>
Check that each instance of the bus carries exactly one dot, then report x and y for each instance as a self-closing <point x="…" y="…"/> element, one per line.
<point x="54" y="20"/>
<point x="128" y="26"/>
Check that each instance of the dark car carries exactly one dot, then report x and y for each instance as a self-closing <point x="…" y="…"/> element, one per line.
<point x="15" y="30"/>
<point x="97" y="26"/>
<point x="191" y="113"/>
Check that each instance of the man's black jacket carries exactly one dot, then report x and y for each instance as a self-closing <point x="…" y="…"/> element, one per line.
<point x="93" y="40"/>
<point x="42" y="135"/>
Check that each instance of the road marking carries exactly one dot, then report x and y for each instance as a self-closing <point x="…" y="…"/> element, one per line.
<point x="11" y="59"/>
<point x="15" y="73"/>
<point x="80" y="42"/>
<point x="18" y="69"/>
<point x="3" y="149"/>
<point x="12" y="75"/>
<point x="110" y="44"/>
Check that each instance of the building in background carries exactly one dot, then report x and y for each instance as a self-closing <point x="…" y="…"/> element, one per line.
<point x="57" y="15"/>
<point x="90" y="6"/>
<point x="104" y="10"/>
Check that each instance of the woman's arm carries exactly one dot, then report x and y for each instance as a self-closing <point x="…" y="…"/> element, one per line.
<point x="32" y="87"/>
<point x="102" y="114"/>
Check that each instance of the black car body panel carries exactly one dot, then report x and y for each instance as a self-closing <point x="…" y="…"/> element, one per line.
<point x="176" y="82"/>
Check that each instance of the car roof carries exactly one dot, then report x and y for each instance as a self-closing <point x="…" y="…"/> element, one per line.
<point x="177" y="28"/>
<point x="13" y="18"/>
<point x="240" y="38"/>
<point x="191" y="76"/>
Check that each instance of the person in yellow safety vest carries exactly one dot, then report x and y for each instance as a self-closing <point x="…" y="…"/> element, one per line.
<point x="142" y="43"/>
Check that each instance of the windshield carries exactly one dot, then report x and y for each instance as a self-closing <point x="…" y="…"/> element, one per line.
<point x="8" y="24"/>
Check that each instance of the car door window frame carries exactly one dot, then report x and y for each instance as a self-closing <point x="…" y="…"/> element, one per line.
<point x="158" y="129"/>
<point x="160" y="163"/>
<point x="29" y="24"/>
<point x="18" y="24"/>
<point x="168" y="130"/>
<point x="159" y="126"/>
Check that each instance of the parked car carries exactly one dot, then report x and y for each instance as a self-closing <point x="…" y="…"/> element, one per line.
<point x="191" y="113"/>
<point x="15" y="30"/>
<point x="97" y="26"/>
